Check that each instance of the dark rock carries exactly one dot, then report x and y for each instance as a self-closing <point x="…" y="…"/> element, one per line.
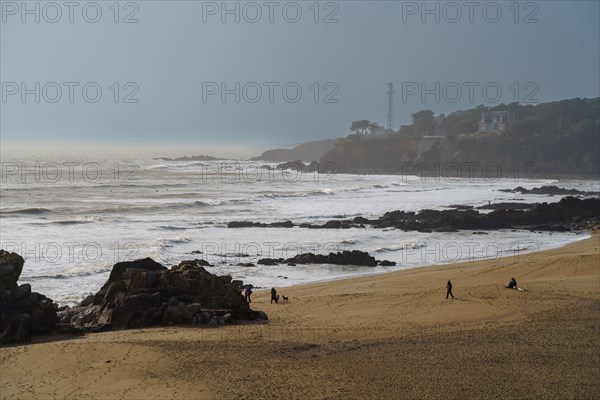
<point x="362" y="220"/>
<point x="353" y="257"/>
<point x="11" y="266"/>
<point x="250" y="224"/>
<point x="270" y="261"/>
<point x="191" y="310"/>
<point x="88" y="300"/>
<point x="136" y="297"/>
<point x="262" y="315"/>
<point x="15" y="328"/>
<point x="332" y="225"/>
<point x="507" y="206"/>
<point x="243" y="224"/>
<point x="174" y="315"/>
<point x="298" y="165"/>
<point x="568" y="212"/>
<point x="228" y="318"/>
<point x="386" y="263"/>
<point x="23" y="313"/>
<point x="147" y="264"/>
<point x="549" y="190"/>
<point x="286" y="224"/>
<point x="237" y="284"/>
<point x="23" y="292"/>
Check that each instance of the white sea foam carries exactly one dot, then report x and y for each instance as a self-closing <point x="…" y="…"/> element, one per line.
<point x="71" y="233"/>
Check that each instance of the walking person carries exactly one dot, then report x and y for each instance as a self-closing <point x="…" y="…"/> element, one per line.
<point x="449" y="291"/>
<point x="248" y="294"/>
<point x="274" y="297"/>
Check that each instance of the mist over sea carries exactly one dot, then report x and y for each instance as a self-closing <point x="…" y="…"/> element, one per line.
<point x="72" y="219"/>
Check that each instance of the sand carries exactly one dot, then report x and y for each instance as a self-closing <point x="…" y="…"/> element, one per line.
<point x="388" y="336"/>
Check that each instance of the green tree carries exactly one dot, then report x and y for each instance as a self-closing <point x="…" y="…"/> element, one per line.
<point x="363" y="128"/>
<point x="424" y="122"/>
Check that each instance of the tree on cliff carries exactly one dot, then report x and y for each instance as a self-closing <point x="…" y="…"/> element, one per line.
<point x="363" y="128"/>
<point x="424" y="122"/>
<point x="559" y="137"/>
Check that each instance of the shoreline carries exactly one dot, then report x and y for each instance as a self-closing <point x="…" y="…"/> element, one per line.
<point x="586" y="233"/>
<point x="370" y="337"/>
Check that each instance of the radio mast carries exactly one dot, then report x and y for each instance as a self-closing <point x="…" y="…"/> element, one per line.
<point x="390" y="113"/>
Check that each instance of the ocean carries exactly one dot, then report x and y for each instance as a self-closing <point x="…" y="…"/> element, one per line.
<point x="72" y="219"/>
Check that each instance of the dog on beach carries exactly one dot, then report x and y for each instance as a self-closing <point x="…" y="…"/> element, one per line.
<point x="285" y="299"/>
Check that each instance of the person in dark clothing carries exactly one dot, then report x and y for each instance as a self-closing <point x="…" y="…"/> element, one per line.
<point x="248" y="294"/>
<point x="274" y="297"/>
<point x="449" y="291"/>
<point x="512" y="284"/>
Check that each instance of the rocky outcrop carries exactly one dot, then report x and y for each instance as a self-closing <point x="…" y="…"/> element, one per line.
<point x="549" y="190"/>
<point x="507" y="206"/>
<point x="144" y="293"/>
<point x="569" y="213"/>
<point x="560" y="216"/>
<point x="353" y="257"/>
<point x="23" y="313"/>
<point x="305" y="151"/>
<point x="250" y="224"/>
<point x="298" y="165"/>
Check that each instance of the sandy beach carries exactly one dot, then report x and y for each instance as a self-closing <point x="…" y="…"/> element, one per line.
<point x="389" y="336"/>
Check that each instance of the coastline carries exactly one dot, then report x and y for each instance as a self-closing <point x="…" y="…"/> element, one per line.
<point x="376" y="336"/>
<point x="586" y="235"/>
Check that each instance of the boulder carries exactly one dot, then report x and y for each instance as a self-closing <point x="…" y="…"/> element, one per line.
<point x="191" y="310"/>
<point x="262" y="315"/>
<point x="174" y="315"/>
<point x="23" y="292"/>
<point x="11" y="266"/>
<point x="143" y="293"/>
<point x="23" y="313"/>
<point x="245" y="265"/>
<point x="15" y="328"/>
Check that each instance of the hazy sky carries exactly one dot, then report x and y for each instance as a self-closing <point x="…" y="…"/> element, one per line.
<point x="179" y="56"/>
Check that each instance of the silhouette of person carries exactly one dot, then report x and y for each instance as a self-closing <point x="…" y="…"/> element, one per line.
<point x="274" y="296"/>
<point x="512" y="284"/>
<point x="449" y="291"/>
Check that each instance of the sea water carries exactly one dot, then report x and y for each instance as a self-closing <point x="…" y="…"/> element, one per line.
<point x="73" y="218"/>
